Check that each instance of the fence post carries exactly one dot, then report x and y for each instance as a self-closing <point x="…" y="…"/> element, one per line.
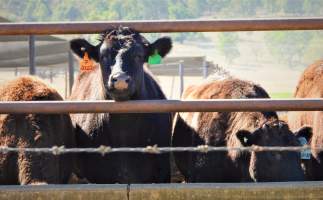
<point x="32" y="68"/>
<point x="205" y="68"/>
<point x="51" y="75"/>
<point x="181" y="77"/>
<point x="16" y="71"/>
<point x="70" y="71"/>
<point x="65" y="78"/>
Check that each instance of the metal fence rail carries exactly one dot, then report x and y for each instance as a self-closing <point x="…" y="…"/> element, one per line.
<point x="46" y="28"/>
<point x="158" y="106"/>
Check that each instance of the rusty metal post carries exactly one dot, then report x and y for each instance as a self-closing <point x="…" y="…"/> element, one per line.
<point x="32" y="67"/>
<point x="160" y="106"/>
<point x="46" y="28"/>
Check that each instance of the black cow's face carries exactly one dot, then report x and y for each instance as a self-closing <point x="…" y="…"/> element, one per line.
<point x="121" y="61"/>
<point x="122" y="54"/>
<point x="273" y="165"/>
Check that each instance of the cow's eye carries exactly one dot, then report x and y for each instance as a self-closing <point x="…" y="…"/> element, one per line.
<point x="138" y="57"/>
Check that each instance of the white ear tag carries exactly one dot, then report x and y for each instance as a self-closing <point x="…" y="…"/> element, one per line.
<point x="305" y="154"/>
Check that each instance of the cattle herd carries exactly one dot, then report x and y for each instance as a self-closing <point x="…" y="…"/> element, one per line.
<point x="121" y="74"/>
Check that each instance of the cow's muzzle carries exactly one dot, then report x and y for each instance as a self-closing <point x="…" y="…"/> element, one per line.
<point x="119" y="81"/>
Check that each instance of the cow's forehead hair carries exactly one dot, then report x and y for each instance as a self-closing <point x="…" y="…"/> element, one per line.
<point x="117" y="45"/>
<point x="121" y="31"/>
<point x="121" y="37"/>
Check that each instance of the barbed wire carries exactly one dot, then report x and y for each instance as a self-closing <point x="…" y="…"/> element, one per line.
<point x="103" y="150"/>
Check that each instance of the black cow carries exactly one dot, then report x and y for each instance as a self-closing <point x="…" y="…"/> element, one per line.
<point x="122" y="75"/>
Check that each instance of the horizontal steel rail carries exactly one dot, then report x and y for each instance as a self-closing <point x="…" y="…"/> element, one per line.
<point x="174" y="191"/>
<point x="46" y="28"/>
<point x="159" y="106"/>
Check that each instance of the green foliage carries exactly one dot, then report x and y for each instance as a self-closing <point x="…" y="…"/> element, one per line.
<point x="313" y="49"/>
<point x="288" y="47"/>
<point x="248" y="7"/>
<point x="52" y="10"/>
<point x="313" y="7"/>
<point x="178" y="9"/>
<point x="66" y="11"/>
<point x="273" y="6"/>
<point x="293" y="6"/>
<point x="280" y="95"/>
<point x="227" y="46"/>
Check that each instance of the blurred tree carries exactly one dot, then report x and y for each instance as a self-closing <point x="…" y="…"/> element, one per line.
<point x="217" y="5"/>
<point x="314" y="49"/>
<point x="179" y="9"/>
<point x="313" y="7"/>
<point x="67" y="10"/>
<point x="37" y="10"/>
<point x="227" y="45"/>
<point x="273" y="6"/>
<point x="293" y="7"/>
<point x="249" y="7"/>
<point x="288" y="47"/>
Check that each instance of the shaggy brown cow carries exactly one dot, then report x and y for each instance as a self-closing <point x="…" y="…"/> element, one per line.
<point x="234" y="129"/>
<point x="122" y="75"/>
<point x="34" y="130"/>
<point x="310" y="85"/>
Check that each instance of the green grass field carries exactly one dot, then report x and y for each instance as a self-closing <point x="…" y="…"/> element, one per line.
<point x="281" y="95"/>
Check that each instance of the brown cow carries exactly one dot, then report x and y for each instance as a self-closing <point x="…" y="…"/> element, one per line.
<point x="234" y="129"/>
<point x="310" y="85"/>
<point x="34" y="130"/>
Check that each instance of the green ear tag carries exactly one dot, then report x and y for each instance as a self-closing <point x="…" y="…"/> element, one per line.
<point x="154" y="59"/>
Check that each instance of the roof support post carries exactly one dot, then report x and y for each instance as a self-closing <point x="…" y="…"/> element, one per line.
<point x="181" y="77"/>
<point x="70" y="71"/>
<point x="205" y="68"/>
<point x="32" y="67"/>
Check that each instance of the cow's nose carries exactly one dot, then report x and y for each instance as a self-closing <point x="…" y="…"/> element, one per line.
<point x="120" y="81"/>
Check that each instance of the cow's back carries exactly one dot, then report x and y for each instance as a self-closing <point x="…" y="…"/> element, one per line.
<point x="310" y="85"/>
<point x="34" y="130"/>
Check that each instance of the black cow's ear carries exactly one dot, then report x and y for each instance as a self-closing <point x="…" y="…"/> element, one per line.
<point x="305" y="131"/>
<point x="80" y="46"/>
<point x="162" y="46"/>
<point x="244" y="137"/>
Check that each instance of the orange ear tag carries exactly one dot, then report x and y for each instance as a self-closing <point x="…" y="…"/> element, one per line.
<point x="86" y="64"/>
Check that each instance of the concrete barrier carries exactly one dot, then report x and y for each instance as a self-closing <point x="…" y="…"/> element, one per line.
<point x="68" y="192"/>
<point x="205" y="191"/>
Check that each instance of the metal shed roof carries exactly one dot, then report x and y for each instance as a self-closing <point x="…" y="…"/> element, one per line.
<point x="14" y="50"/>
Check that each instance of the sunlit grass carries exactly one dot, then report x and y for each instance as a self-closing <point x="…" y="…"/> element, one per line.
<point x="278" y="95"/>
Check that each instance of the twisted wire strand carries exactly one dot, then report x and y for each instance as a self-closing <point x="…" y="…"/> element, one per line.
<point x="103" y="150"/>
